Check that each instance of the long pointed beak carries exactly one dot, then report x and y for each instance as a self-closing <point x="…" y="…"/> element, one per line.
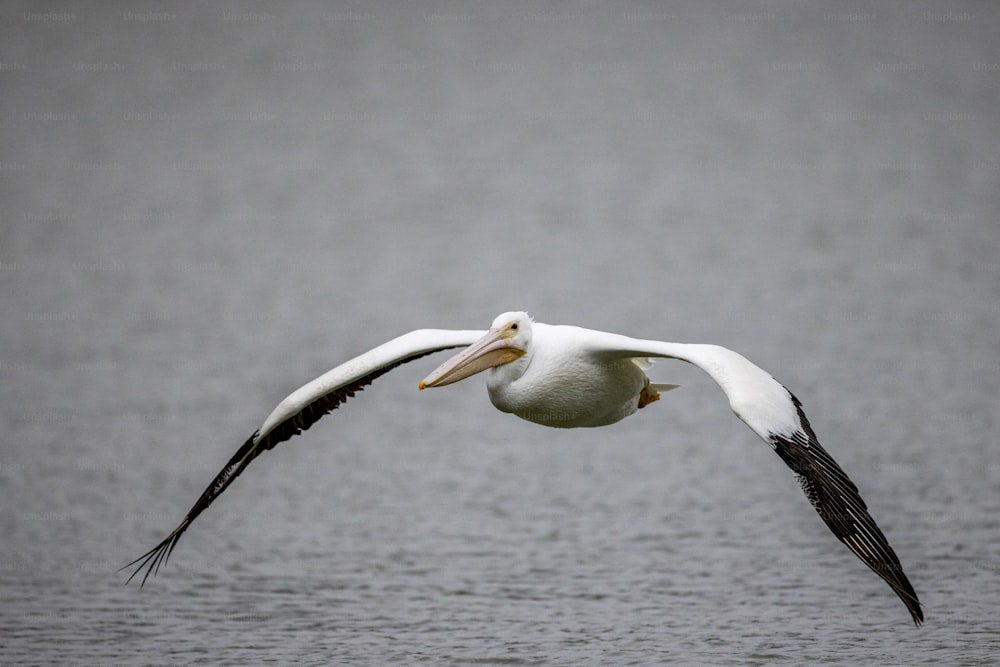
<point x="491" y="350"/>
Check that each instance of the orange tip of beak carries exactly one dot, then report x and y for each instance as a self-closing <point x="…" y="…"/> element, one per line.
<point x="421" y="386"/>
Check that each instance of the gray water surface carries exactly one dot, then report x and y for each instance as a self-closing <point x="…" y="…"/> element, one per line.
<point x="206" y="206"/>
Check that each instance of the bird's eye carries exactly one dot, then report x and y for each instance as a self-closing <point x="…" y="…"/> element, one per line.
<point x="513" y="327"/>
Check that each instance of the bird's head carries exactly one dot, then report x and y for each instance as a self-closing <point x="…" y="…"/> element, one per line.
<point x="506" y="341"/>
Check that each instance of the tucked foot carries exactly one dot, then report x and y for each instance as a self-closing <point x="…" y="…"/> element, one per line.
<point x="648" y="395"/>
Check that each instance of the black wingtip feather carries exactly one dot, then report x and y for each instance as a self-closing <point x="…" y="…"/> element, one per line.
<point x="251" y="449"/>
<point x="152" y="559"/>
<point x="158" y="555"/>
<point x="838" y="502"/>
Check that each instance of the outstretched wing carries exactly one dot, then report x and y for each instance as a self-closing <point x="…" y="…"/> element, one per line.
<point x="300" y="410"/>
<point x="776" y="415"/>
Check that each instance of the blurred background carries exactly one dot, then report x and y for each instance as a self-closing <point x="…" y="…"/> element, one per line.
<point x="206" y="205"/>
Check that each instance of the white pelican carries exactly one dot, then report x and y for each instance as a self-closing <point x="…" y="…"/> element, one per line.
<point x="565" y="377"/>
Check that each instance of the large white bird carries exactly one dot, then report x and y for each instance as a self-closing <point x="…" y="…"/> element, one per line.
<point x="565" y="377"/>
